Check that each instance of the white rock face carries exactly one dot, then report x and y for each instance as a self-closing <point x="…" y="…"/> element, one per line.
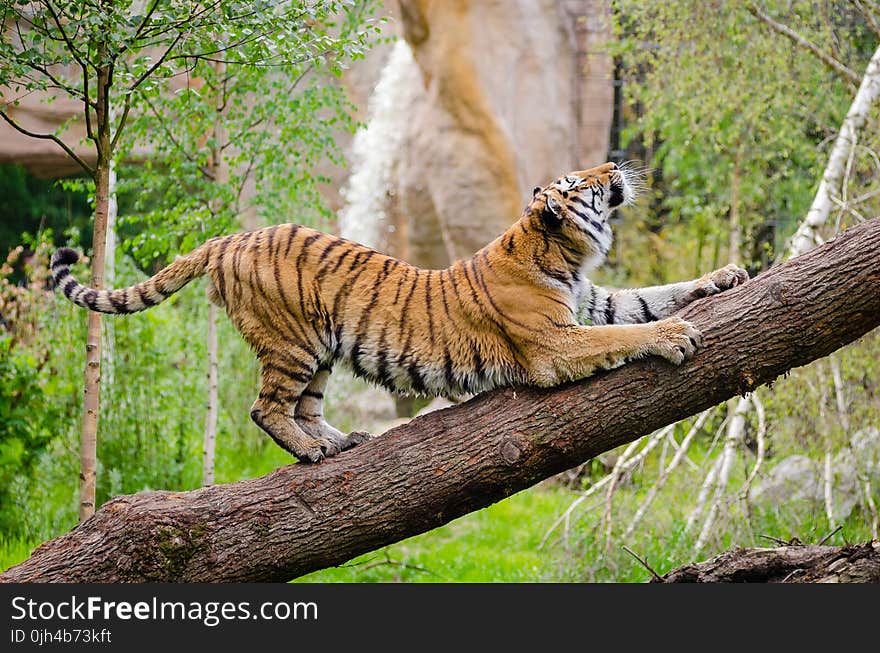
<point x="476" y="105"/>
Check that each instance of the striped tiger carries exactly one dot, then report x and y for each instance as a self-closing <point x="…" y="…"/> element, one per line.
<point x="306" y="301"/>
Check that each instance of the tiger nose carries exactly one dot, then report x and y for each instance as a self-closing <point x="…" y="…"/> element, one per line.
<point x="603" y="169"/>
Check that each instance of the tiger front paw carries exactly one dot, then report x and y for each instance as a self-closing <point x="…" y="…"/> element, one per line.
<point x="722" y="279"/>
<point x="676" y="340"/>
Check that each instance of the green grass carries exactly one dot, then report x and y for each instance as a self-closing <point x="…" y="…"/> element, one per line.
<point x="496" y="544"/>
<point x="14" y="550"/>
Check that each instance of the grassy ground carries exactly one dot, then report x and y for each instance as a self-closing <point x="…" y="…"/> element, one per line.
<point x="497" y="544"/>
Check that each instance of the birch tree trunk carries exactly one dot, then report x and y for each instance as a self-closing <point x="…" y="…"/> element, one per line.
<point x="807" y="235"/>
<point x="210" y="442"/>
<point x="220" y="172"/>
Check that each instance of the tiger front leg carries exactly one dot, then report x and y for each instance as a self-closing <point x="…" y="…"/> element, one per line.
<point x="600" y="305"/>
<point x="575" y="352"/>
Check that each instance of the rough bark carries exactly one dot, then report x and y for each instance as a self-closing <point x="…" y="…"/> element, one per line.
<point x="853" y="563"/>
<point x="440" y="466"/>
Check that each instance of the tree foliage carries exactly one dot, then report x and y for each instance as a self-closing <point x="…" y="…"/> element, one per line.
<point x="726" y="119"/>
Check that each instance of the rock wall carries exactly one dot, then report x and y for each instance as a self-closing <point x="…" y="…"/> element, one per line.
<point x="478" y="103"/>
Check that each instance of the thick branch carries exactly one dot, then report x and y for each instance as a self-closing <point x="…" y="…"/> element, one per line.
<point x="301" y="518"/>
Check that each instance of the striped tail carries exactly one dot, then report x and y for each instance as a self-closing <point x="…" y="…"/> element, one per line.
<point x="136" y="298"/>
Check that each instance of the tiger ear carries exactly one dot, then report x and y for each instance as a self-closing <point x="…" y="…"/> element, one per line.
<point x="536" y="190"/>
<point x="552" y="211"/>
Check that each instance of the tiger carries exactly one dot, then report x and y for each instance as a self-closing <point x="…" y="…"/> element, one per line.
<point x="520" y="311"/>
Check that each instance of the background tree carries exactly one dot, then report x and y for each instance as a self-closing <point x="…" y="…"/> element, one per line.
<point x="110" y="54"/>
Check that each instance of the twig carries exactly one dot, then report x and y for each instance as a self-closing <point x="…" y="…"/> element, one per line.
<point x="762" y="447"/>
<point x="703" y="496"/>
<point x="779" y="541"/>
<point x="644" y="563"/>
<point x="830" y="535"/>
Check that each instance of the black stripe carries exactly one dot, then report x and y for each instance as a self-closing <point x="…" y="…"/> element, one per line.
<point x="400" y="285"/>
<point x="508" y="244"/>
<point x="428" y="308"/>
<point x="118" y="304"/>
<point x="68" y="287"/>
<point x="563" y="276"/>
<point x="289" y="373"/>
<point x="333" y="245"/>
<point x="447" y="371"/>
<point x="288" y="315"/>
<point x="646" y="311"/>
<point x="571" y="256"/>
<point x="382" y="360"/>
<point x="312" y="394"/>
<point x="221" y="274"/>
<point x="61" y="274"/>
<point x="243" y="241"/>
<point x="406" y="302"/>
<point x="557" y="301"/>
<point x="345" y="291"/>
<point x="294" y="228"/>
<point x="609" y="310"/>
<point x="582" y="202"/>
<point x="142" y="293"/>
<point x="478" y="369"/>
<point x="443" y="294"/>
<point x="91" y="299"/>
<point x="362" y="322"/>
<point x="338" y="265"/>
<point x="303" y="252"/>
<point x="418" y="382"/>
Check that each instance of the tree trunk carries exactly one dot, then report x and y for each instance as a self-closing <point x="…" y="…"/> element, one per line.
<point x="89" y="434"/>
<point x="853" y="563"/>
<point x="445" y="464"/>
<point x="219" y="167"/>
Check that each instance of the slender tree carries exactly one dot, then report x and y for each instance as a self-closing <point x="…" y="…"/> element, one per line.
<point x="106" y="53"/>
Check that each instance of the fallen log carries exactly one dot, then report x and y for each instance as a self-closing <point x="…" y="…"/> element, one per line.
<point x="813" y="563"/>
<point x="423" y="474"/>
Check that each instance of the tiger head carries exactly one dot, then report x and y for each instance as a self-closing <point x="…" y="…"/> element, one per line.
<point x="576" y="207"/>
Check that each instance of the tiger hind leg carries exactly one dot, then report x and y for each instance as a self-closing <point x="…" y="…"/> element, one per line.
<point x="309" y="415"/>
<point x="273" y="411"/>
